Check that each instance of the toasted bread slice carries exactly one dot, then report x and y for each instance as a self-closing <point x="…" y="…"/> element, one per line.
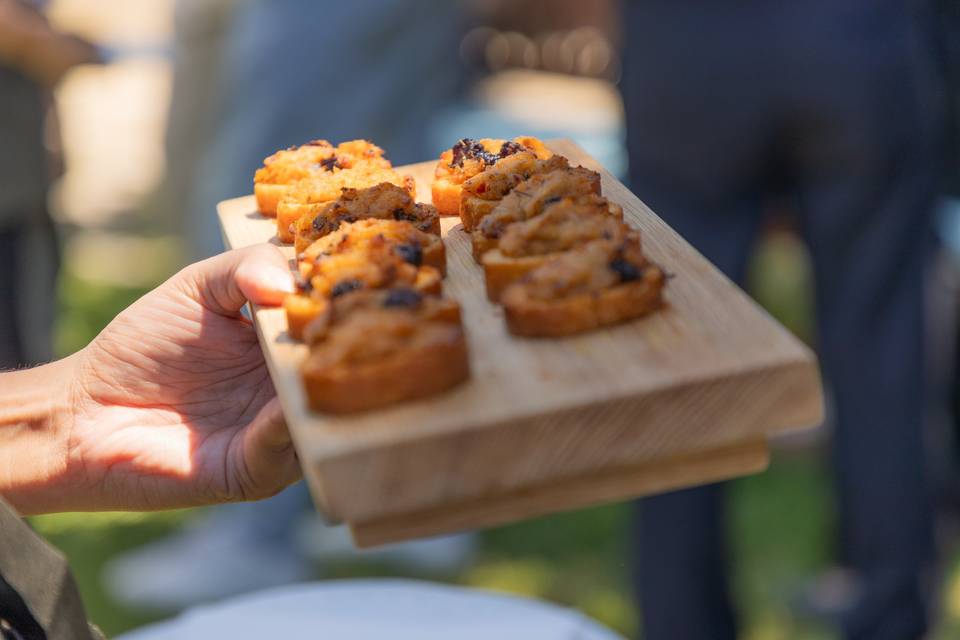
<point x="301" y="309"/>
<point x="371" y="263"/>
<point x="308" y="304"/>
<point x="404" y="239"/>
<point x="268" y="197"/>
<point x="483" y="192"/>
<point x="315" y="158"/>
<point x="374" y="265"/>
<point x="564" y="225"/>
<point x="340" y="273"/>
<point x="384" y="201"/>
<point x="307" y="197"/>
<point x="469" y="157"/>
<point x="596" y="285"/>
<point x="531" y="197"/>
<point x="428" y="308"/>
<point x="380" y="356"/>
<point x="483" y="240"/>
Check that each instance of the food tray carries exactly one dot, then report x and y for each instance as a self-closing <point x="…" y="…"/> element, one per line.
<point x="685" y="396"/>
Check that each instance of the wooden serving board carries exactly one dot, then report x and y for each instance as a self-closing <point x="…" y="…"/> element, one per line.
<point x="685" y="396"/>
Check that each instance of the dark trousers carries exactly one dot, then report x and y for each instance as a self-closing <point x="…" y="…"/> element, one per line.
<point x="11" y="343"/>
<point x="836" y="105"/>
<point x="29" y="261"/>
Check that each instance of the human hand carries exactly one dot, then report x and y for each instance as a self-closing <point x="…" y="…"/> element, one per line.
<point x="172" y="405"/>
<point x="29" y="43"/>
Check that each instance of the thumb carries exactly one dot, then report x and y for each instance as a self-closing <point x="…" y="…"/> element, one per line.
<point x="224" y="283"/>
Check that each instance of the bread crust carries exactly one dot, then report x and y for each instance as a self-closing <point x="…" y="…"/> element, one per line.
<point x="480" y="245"/>
<point x="445" y="195"/>
<point x="500" y="271"/>
<point x="301" y="309"/>
<point x="469" y="157"/>
<point x="268" y="197"/>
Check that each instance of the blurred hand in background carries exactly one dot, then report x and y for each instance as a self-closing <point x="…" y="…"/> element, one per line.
<point x="28" y="43"/>
<point x="33" y="58"/>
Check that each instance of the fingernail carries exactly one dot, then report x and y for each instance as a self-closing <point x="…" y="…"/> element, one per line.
<point x="279" y="279"/>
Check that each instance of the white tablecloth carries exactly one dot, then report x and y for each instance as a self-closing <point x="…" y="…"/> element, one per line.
<point x="378" y="609"/>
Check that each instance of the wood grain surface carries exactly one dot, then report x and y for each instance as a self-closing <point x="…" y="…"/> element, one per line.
<point x="685" y="396"/>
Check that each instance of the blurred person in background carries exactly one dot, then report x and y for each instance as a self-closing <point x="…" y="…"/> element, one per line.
<point x="33" y="59"/>
<point x="200" y="32"/>
<point x="295" y="70"/>
<point x="836" y="105"/>
<point x="284" y="72"/>
<point x="948" y="228"/>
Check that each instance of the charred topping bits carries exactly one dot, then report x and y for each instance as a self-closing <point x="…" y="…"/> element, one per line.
<point x="400" y="214"/>
<point x="403" y="298"/>
<point x="320" y="224"/>
<point x="323" y="223"/>
<point x="331" y="163"/>
<point x="509" y="148"/>
<point x="410" y="252"/>
<point x="493" y="228"/>
<point x="627" y="271"/>
<point x="345" y="286"/>
<point x="468" y="148"/>
<point x="303" y="284"/>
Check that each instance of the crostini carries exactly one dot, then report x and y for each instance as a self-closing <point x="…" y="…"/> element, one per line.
<point x="484" y="191"/>
<point x="384" y="201"/>
<point x="564" y="225"/>
<point x="374" y="263"/>
<point x="396" y="349"/>
<point x="598" y="284"/>
<point x="406" y="240"/>
<point x="467" y="158"/>
<point x="307" y="197"/>
<point x="315" y="158"/>
<point x="529" y="198"/>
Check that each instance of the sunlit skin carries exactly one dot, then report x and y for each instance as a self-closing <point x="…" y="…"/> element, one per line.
<point x="170" y="406"/>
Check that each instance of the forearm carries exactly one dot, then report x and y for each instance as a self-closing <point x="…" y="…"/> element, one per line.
<point x="35" y="418"/>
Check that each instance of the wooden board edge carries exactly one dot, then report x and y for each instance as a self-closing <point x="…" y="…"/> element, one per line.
<point x="613" y="485"/>
<point x="605" y="435"/>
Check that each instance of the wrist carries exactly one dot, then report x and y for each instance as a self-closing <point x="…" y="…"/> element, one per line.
<point x="36" y="417"/>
